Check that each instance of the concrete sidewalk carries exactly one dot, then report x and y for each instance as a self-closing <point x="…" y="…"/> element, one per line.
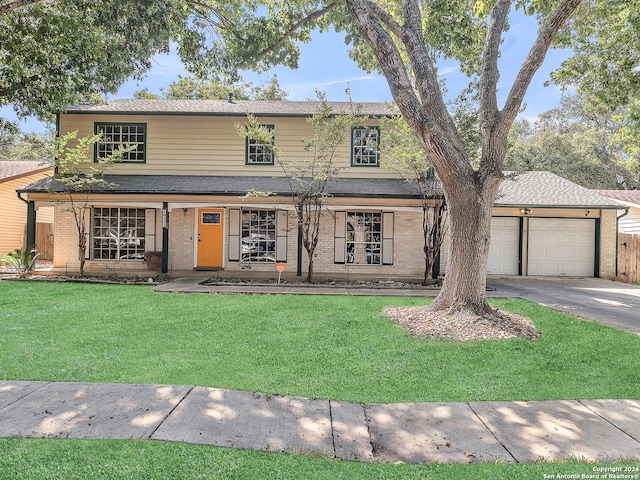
<point x="191" y="284"/>
<point x="410" y="433"/>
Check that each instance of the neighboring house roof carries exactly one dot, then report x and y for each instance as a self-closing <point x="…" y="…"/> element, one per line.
<point x="545" y="189"/>
<point x="630" y="197"/>
<point x="10" y="169"/>
<point x="225" y="108"/>
<point x="529" y="189"/>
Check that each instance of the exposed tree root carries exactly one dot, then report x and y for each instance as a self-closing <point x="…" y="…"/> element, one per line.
<point x="463" y="325"/>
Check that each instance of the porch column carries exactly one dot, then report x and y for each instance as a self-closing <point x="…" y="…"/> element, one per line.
<point x="31" y="224"/>
<point x="165" y="237"/>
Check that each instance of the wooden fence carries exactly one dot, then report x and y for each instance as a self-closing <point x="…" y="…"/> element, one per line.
<point x="44" y="240"/>
<point x="628" y="258"/>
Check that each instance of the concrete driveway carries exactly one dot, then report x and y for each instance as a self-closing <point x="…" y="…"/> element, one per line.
<point x="605" y="301"/>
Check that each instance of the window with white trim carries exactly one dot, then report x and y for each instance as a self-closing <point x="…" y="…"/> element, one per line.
<point x="116" y="135"/>
<point x="118" y="233"/>
<point x="259" y="153"/>
<point x="258" y="235"/>
<point x="365" y="142"/>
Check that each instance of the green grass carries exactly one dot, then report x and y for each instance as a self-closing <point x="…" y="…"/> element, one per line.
<point x="35" y="459"/>
<point x="341" y="348"/>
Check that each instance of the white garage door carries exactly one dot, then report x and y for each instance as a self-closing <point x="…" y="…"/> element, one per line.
<point x="504" y="249"/>
<point x="561" y="246"/>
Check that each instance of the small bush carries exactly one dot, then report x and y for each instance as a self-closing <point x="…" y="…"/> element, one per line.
<point x="21" y="261"/>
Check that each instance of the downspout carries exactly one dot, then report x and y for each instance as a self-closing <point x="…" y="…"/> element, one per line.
<point x="165" y="237"/>
<point x="31" y="222"/>
<point x="626" y="212"/>
<point x="299" y="264"/>
<point x="55" y="163"/>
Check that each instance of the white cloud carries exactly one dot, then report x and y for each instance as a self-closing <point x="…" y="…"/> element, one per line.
<point x="318" y="84"/>
<point x="447" y="70"/>
<point x="300" y="90"/>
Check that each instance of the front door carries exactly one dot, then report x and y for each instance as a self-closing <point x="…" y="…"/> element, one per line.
<point x="210" y="234"/>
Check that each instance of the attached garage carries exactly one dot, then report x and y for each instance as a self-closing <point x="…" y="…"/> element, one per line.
<point x="562" y="247"/>
<point x="504" y="249"/>
<point x="545" y="225"/>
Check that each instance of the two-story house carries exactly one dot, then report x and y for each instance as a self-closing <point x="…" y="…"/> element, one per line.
<point x="180" y="192"/>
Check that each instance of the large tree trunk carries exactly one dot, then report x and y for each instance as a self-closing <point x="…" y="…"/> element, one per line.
<point x="470" y="194"/>
<point x="470" y="208"/>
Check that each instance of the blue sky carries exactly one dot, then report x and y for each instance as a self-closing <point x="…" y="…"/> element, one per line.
<point x="324" y="65"/>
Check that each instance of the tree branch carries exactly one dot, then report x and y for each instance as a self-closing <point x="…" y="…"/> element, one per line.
<point x="368" y="24"/>
<point x="312" y="16"/>
<point x="206" y="16"/>
<point x="426" y="74"/>
<point x="389" y="21"/>
<point x="536" y="56"/>
<point x="427" y="116"/>
<point x="490" y="74"/>
<point x="10" y="7"/>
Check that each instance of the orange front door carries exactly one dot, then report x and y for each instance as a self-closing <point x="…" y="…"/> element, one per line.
<point x="210" y="235"/>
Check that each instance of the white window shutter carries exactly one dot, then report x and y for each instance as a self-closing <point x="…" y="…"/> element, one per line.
<point x="340" y="237"/>
<point x="282" y="218"/>
<point x="150" y="230"/>
<point x="387" y="238"/>
<point x="234" y="234"/>
<point x="87" y="216"/>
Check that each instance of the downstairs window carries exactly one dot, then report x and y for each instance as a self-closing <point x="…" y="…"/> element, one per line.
<point x="118" y="233"/>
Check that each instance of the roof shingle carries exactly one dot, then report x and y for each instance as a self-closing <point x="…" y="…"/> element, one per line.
<point x="529" y="189"/>
<point x="15" y="168"/>
<point x="224" y="107"/>
<point x="627" y="196"/>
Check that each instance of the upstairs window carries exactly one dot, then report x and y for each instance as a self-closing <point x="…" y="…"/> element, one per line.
<point x="365" y="142"/>
<point x="260" y="153"/>
<point x="121" y="135"/>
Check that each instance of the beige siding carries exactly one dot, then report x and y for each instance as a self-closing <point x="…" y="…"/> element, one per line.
<point x="13" y="219"/>
<point x="207" y="145"/>
<point x="630" y="223"/>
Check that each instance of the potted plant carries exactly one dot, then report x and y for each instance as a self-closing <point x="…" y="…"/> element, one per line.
<point x="154" y="260"/>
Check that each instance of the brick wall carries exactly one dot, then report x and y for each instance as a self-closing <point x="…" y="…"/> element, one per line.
<point x="608" y="244"/>
<point x="407" y="251"/>
<point x="408" y="259"/>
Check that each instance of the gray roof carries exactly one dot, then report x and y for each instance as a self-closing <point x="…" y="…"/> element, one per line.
<point x="627" y="196"/>
<point x="224" y="107"/>
<point x="15" y="168"/>
<point x="529" y="189"/>
<point x="233" y="186"/>
<point x="545" y="189"/>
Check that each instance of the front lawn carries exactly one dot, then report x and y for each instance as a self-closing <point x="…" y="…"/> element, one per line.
<point x="323" y="347"/>
<point x="47" y="459"/>
<point x="334" y="347"/>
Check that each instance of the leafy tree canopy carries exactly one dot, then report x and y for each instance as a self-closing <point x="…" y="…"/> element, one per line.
<point x="572" y="142"/>
<point x="18" y="145"/>
<point x="59" y="52"/>
<point x="190" y="88"/>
